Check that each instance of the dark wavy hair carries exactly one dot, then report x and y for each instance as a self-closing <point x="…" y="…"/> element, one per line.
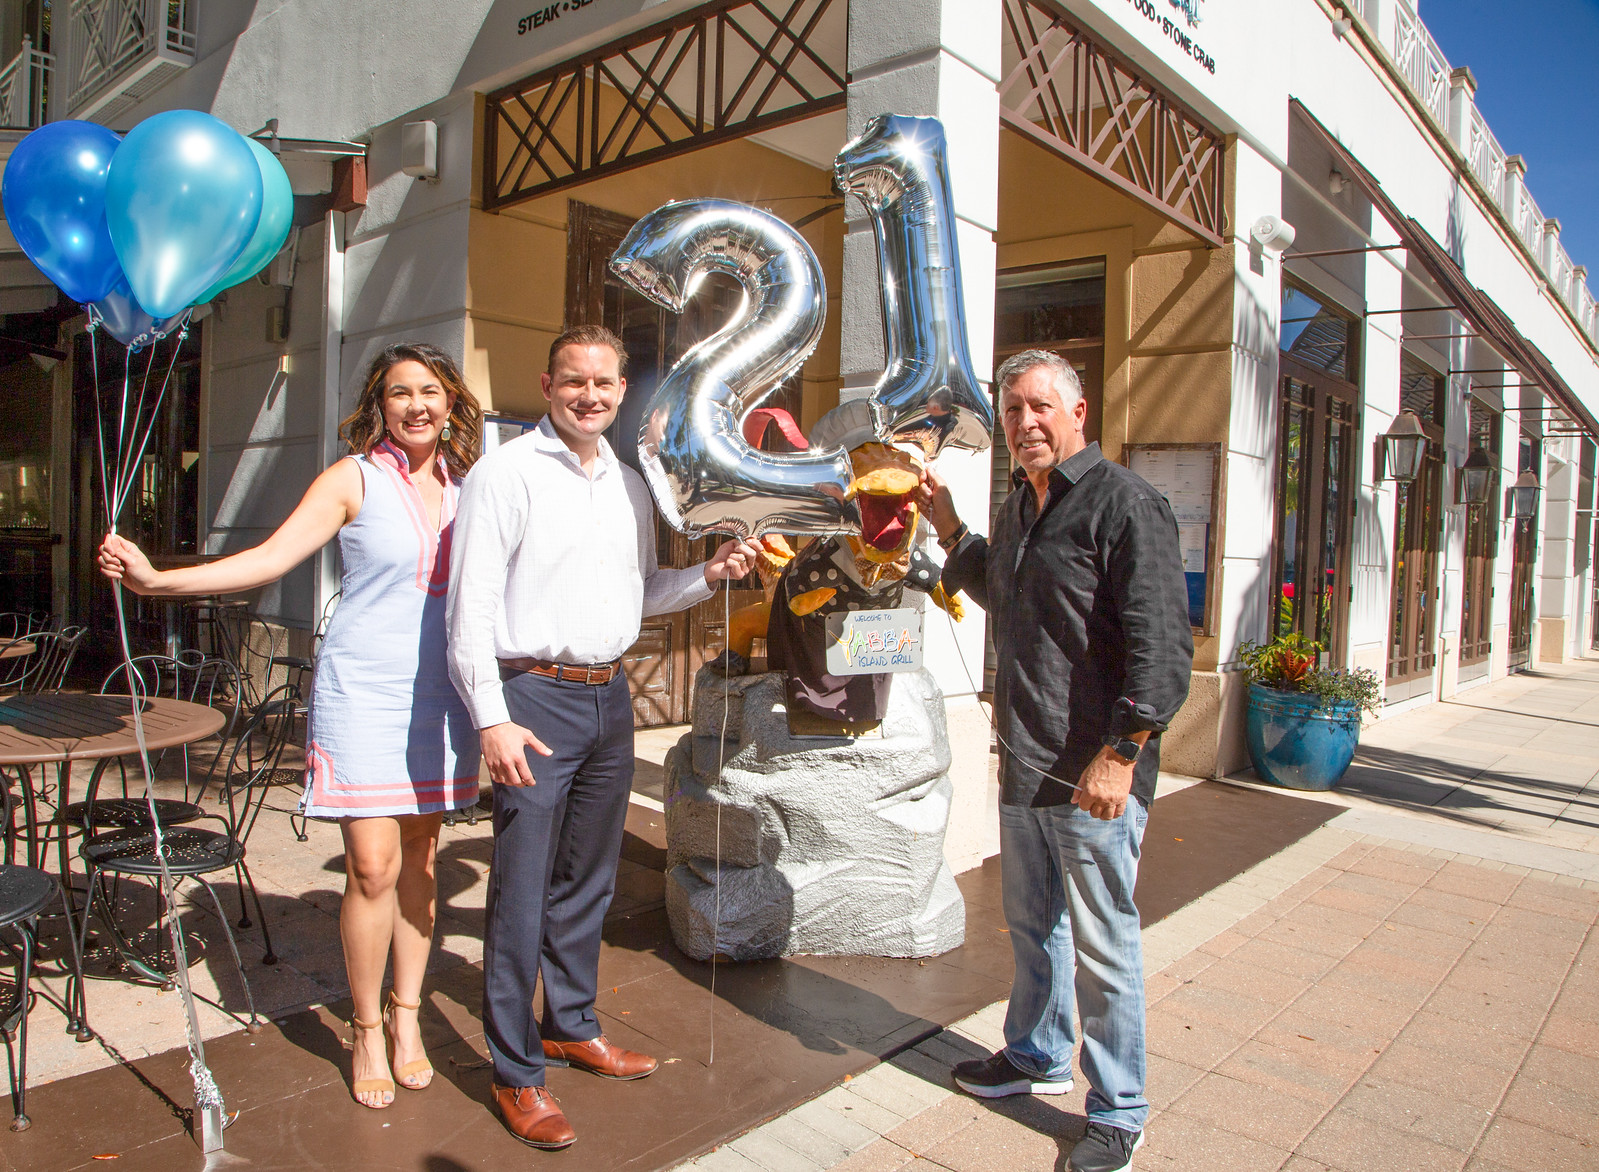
<point x="364" y="429"/>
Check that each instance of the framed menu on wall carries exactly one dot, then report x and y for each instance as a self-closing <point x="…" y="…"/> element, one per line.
<point x="1189" y="477"/>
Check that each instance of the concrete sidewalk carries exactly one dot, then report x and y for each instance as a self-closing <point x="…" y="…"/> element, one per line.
<point x="1414" y="986"/>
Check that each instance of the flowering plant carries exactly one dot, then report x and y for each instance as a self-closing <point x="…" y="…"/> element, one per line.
<point x="1289" y="663"/>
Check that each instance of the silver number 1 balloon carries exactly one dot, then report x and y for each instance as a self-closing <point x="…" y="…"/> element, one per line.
<point x="898" y="169"/>
<point x="704" y="475"/>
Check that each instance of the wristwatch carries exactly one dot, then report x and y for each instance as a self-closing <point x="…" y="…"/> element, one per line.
<point x="1121" y="746"/>
<point x="948" y="543"/>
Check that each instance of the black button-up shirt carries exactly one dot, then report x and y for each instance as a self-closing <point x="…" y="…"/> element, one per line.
<point x="1088" y="608"/>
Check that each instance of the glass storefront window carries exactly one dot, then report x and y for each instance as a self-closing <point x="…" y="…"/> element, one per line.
<point x="1338" y="507"/>
<point x="1316" y="333"/>
<point x="1316" y="462"/>
<point x="1421" y="391"/>
<point x="1293" y="493"/>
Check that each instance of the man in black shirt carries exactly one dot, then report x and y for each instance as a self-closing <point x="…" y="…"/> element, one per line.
<point x="1088" y="606"/>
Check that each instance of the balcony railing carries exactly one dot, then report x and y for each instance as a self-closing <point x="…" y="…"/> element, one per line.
<point x="1422" y="62"/>
<point x="120" y="51"/>
<point x="1485" y="156"/>
<point x="25" y="87"/>
<point x="1446" y="97"/>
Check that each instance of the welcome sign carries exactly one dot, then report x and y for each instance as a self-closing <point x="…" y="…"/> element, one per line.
<point x="865" y="642"/>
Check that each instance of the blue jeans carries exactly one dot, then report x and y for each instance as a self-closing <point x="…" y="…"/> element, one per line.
<point x="1068" y="880"/>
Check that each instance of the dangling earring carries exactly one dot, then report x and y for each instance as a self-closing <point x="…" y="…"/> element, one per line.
<point x="444" y="436"/>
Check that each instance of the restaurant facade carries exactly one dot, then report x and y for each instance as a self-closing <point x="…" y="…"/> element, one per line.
<point x="1275" y="237"/>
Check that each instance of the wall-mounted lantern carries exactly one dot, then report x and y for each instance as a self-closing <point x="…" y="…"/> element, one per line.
<point x="1402" y="448"/>
<point x="1522" y="499"/>
<point x="1474" y="482"/>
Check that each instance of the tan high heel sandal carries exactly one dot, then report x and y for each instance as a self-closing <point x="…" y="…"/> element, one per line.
<point x="421" y="1065"/>
<point x="364" y="1085"/>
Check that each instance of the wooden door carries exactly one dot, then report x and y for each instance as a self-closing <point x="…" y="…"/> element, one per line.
<point x="1411" y="653"/>
<point x="1482" y="547"/>
<point x="1418" y="526"/>
<point x="660" y="666"/>
<point x="1523" y="555"/>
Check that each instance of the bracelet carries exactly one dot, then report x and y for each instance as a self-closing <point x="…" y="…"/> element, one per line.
<point x="949" y="543"/>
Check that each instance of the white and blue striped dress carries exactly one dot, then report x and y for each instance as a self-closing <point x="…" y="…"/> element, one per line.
<point x="389" y="734"/>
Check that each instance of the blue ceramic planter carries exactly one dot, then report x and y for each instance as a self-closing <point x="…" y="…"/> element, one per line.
<point x="1296" y="743"/>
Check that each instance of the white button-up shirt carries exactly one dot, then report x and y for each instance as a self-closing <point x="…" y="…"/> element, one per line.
<point x="547" y="563"/>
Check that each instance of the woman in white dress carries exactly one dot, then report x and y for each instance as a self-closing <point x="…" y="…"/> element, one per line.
<point x="391" y="746"/>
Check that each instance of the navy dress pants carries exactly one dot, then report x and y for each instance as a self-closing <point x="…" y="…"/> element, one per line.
<point x="556" y="845"/>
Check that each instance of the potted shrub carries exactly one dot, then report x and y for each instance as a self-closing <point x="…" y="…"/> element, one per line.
<point x="1303" y="719"/>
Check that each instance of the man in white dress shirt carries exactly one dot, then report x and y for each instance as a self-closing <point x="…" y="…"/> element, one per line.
<point x="553" y="566"/>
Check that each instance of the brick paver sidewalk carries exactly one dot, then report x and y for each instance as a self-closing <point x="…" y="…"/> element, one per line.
<point x="1396" y="1008"/>
<point x="1357" y="1003"/>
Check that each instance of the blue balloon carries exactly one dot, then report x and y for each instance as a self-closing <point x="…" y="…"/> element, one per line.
<point x="183" y="198"/>
<point x="121" y="316"/>
<point x="277" y="217"/>
<point x="55" y="201"/>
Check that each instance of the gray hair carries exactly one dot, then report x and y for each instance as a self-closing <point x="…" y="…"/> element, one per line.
<point x="1067" y="384"/>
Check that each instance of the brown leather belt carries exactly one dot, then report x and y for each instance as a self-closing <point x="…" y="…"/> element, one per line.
<point x="593" y="674"/>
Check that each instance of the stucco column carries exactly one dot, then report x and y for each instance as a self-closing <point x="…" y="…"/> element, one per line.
<point x="1216" y="699"/>
<point x="1462" y="94"/>
<point x="937" y="58"/>
<point x="1373" y="543"/>
<point x="1505" y="534"/>
<point x="1557" y="583"/>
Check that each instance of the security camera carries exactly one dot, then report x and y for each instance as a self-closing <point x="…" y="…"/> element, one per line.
<point x="1272" y="233"/>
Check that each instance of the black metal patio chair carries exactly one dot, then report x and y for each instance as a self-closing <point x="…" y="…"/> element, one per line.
<point x="26" y="894"/>
<point x="194" y="851"/>
<point x="188" y="676"/>
<point x="46" y="669"/>
<point x="19" y="624"/>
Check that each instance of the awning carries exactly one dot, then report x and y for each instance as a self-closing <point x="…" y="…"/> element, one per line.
<point x="1480" y="310"/>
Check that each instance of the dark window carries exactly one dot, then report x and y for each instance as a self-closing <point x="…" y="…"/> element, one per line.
<point x="1059" y="308"/>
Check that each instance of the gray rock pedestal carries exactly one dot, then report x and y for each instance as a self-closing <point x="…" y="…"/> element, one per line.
<point x="828" y="845"/>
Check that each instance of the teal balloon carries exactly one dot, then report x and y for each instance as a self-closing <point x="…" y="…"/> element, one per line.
<point x="277" y="217"/>
<point x="183" y="198"/>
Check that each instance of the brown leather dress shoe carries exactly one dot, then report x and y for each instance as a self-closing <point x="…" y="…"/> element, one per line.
<point x="599" y="1057"/>
<point x="531" y="1115"/>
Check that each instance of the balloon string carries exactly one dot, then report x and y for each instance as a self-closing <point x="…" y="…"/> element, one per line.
<point x="143" y="442"/>
<point x="206" y="1093"/>
<point x="993" y="721"/>
<point x="128" y="467"/>
<point x="721" y="750"/>
<point x="99" y="422"/>
<point x="122" y="420"/>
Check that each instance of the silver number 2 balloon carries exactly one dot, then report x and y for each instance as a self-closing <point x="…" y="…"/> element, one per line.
<point x="704" y="475"/>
